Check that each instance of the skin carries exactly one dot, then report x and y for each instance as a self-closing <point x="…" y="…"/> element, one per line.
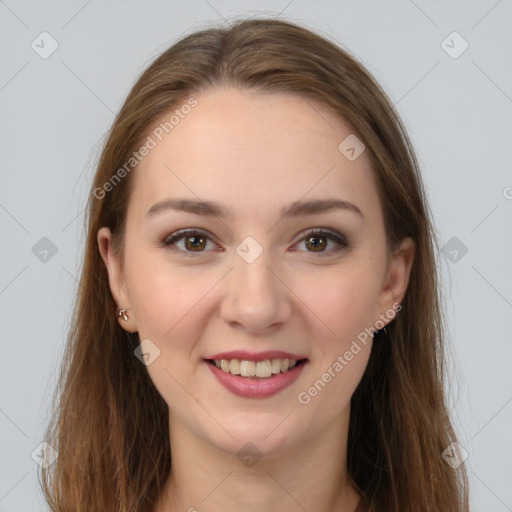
<point x="254" y="154"/>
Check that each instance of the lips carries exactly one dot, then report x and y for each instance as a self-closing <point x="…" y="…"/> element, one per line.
<point x="240" y="372"/>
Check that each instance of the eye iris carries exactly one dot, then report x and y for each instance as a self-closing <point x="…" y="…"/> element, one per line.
<point x="195" y="245"/>
<point x="317" y="247"/>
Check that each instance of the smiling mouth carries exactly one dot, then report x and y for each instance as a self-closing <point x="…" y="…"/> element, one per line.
<point x="260" y="370"/>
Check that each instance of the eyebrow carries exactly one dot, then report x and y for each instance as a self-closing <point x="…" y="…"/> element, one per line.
<point x="213" y="209"/>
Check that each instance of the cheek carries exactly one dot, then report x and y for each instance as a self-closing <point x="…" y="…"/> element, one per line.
<point x="344" y="301"/>
<point x="170" y="313"/>
<point x="331" y="389"/>
<point x="163" y="295"/>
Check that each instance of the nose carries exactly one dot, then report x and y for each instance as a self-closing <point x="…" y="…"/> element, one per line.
<point x="256" y="298"/>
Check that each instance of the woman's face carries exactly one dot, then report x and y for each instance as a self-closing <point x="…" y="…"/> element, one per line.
<point x="250" y="279"/>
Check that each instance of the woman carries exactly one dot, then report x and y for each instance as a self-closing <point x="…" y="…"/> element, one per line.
<point x="258" y="324"/>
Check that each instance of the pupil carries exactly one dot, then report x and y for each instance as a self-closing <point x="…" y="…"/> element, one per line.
<point x="314" y="244"/>
<point x="196" y="244"/>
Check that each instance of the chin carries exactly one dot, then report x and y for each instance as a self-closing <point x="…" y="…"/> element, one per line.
<point x="265" y="434"/>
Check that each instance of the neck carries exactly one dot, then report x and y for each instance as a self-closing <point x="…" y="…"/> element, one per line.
<point x="310" y="476"/>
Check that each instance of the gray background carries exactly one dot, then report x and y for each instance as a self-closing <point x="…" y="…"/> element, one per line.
<point x="55" y="111"/>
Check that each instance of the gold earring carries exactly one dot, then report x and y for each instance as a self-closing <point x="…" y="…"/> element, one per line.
<point x="122" y="313"/>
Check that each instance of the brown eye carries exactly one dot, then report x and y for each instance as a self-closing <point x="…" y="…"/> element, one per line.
<point x="195" y="243"/>
<point x="312" y="242"/>
<point x="316" y="242"/>
<point x="188" y="242"/>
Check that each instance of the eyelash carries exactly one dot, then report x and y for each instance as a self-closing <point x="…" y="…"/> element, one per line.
<point x="316" y="233"/>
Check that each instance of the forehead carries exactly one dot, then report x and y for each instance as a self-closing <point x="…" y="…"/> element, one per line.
<point x="250" y="150"/>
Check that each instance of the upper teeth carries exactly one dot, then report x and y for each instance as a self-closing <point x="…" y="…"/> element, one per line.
<point x="251" y="368"/>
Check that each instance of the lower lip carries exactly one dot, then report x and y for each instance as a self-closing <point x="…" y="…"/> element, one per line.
<point x="250" y="387"/>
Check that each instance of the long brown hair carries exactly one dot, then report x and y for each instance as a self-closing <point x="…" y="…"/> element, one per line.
<point x="110" y="425"/>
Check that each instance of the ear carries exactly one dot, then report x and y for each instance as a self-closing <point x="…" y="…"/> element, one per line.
<point x="117" y="283"/>
<point x="397" y="277"/>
